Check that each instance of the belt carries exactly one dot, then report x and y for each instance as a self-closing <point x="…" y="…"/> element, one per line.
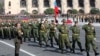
<point x="41" y="31"/>
<point x="75" y="34"/>
<point x="90" y="34"/>
<point x="63" y="34"/>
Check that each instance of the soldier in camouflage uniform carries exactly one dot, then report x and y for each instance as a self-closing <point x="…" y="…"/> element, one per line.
<point x="5" y="30"/>
<point x="18" y="38"/>
<point x="90" y="36"/>
<point x="2" y="30"/>
<point x="25" y="29"/>
<point x="42" y="34"/>
<point x="75" y="36"/>
<point x="35" y="30"/>
<point x="8" y="30"/>
<point x="52" y="33"/>
<point x="12" y="29"/>
<point x="64" y="36"/>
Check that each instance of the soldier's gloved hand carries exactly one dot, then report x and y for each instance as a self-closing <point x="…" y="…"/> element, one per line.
<point x="95" y="39"/>
<point x="55" y="28"/>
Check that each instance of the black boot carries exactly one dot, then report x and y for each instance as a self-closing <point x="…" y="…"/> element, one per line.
<point x="16" y="54"/>
<point x="88" y="53"/>
<point x="96" y="53"/>
<point x="62" y="51"/>
<point x="24" y="39"/>
<point x="81" y="50"/>
<point x="73" y="51"/>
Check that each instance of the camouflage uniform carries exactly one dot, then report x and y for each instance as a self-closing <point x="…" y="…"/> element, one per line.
<point x="18" y="40"/>
<point x="64" y="37"/>
<point x="26" y="30"/>
<point x="52" y="33"/>
<point x="89" y="37"/>
<point x="42" y="34"/>
<point x="75" y="36"/>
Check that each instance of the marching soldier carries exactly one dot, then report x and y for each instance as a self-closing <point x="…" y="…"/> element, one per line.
<point x="5" y="30"/>
<point x="18" y="38"/>
<point x="75" y="36"/>
<point x="8" y="30"/>
<point x="42" y="34"/>
<point x="64" y="37"/>
<point x="2" y="30"/>
<point x="90" y="36"/>
<point x="35" y="30"/>
<point x="12" y="30"/>
<point x="46" y="23"/>
<point x="25" y="29"/>
<point x="52" y="33"/>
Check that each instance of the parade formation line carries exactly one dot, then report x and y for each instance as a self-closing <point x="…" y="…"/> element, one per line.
<point x="20" y="49"/>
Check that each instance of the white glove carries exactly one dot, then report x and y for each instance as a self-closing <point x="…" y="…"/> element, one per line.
<point x="95" y="39"/>
<point x="55" y="28"/>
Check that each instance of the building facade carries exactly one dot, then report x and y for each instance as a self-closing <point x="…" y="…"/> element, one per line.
<point x="18" y="6"/>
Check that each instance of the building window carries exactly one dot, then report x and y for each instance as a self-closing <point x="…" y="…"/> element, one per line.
<point x="9" y="12"/>
<point x="23" y="3"/>
<point x="58" y="3"/>
<point x="34" y="3"/>
<point x="92" y="3"/>
<point x="9" y="3"/>
<point x="46" y="3"/>
<point x="69" y="3"/>
<point x="81" y="3"/>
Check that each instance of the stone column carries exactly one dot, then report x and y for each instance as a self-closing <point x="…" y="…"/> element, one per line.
<point x="63" y="6"/>
<point x="86" y="6"/>
<point x="29" y="6"/>
<point x="75" y="4"/>
<point x="40" y="6"/>
<point x="97" y="4"/>
<point x="51" y="3"/>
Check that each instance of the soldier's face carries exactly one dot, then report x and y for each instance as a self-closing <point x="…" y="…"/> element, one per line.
<point x="76" y="24"/>
<point x="18" y="25"/>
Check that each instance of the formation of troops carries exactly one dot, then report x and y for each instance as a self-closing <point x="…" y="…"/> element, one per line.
<point x="46" y="33"/>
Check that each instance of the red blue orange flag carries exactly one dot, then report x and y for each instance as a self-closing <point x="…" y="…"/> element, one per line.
<point x="56" y="10"/>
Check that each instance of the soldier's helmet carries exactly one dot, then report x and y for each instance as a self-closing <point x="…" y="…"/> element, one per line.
<point x="90" y="21"/>
<point x="63" y="20"/>
<point x="52" y="20"/>
<point x="76" y="22"/>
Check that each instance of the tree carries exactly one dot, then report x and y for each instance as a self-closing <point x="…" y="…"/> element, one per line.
<point x="34" y="12"/>
<point x="24" y="12"/>
<point x="49" y="11"/>
<point x="74" y="11"/>
<point x="94" y="11"/>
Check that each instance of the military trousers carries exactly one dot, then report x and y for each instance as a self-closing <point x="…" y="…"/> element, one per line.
<point x="35" y="34"/>
<point x="75" y="38"/>
<point x="64" y="41"/>
<point x="42" y="37"/>
<point x="17" y="47"/>
<point x="53" y="35"/>
<point x="90" y="41"/>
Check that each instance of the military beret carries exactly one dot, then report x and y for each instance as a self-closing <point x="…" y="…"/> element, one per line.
<point x="63" y="20"/>
<point x="76" y="22"/>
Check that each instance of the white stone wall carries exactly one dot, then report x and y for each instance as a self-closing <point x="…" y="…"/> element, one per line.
<point x="15" y="6"/>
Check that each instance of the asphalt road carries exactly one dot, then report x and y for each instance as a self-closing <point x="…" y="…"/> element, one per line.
<point x="33" y="49"/>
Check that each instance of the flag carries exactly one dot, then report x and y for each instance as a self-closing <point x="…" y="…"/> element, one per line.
<point x="56" y="10"/>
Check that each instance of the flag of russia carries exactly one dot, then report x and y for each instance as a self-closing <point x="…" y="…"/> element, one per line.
<point x="56" y="10"/>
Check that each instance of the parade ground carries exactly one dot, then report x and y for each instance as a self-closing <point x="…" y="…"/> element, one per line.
<point x="33" y="49"/>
